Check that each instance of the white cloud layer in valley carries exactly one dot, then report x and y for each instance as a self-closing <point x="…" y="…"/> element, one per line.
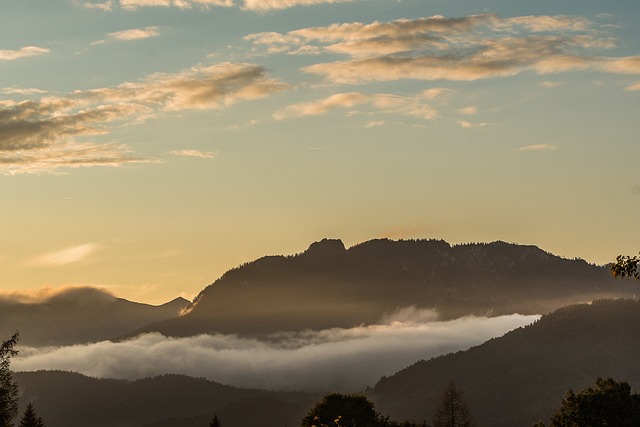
<point x="333" y="359"/>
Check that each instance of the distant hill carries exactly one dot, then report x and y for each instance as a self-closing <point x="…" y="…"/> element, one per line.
<point x="79" y="315"/>
<point x="521" y="377"/>
<point x="331" y="286"/>
<point x="66" y="399"/>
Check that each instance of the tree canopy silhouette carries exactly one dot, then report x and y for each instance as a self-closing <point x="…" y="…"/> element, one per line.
<point x="344" y="410"/>
<point x="30" y="418"/>
<point x="609" y="403"/>
<point x="8" y="388"/>
<point x="626" y="267"/>
<point x="215" y="422"/>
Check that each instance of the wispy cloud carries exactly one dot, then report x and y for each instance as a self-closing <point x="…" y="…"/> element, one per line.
<point x="549" y="84"/>
<point x="252" y="5"/>
<point x="11" y="55"/>
<point x="105" y="6"/>
<point x="21" y="91"/>
<point x="61" y="257"/>
<point x="633" y="87"/>
<point x="182" y="4"/>
<point x="458" y="49"/>
<point x="538" y="147"/>
<point x="39" y="136"/>
<point x="470" y="125"/>
<point x="268" y="5"/>
<point x="468" y="111"/>
<point x="135" y="34"/>
<point x="387" y="103"/>
<point x="194" y="153"/>
<point x="342" y="359"/>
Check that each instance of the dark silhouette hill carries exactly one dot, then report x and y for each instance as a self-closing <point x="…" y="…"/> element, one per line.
<point x="79" y="315"/>
<point x="331" y="286"/>
<point x="521" y="377"/>
<point x="66" y="399"/>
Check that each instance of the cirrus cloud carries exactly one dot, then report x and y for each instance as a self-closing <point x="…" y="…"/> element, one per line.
<point x="41" y="135"/>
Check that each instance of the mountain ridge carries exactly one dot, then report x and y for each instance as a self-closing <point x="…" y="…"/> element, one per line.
<point x="79" y="315"/>
<point x="329" y="285"/>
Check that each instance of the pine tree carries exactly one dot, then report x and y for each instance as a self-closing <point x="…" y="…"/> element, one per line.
<point x="30" y="418"/>
<point x="8" y="388"/>
<point x="452" y="410"/>
<point x="215" y="422"/>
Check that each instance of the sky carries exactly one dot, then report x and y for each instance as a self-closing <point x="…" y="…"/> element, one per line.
<point x="148" y="146"/>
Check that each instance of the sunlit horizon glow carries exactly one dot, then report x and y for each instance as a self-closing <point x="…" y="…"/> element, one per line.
<point x="148" y="146"/>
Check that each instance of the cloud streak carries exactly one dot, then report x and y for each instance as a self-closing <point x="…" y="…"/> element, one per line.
<point x="65" y="256"/>
<point x="336" y="359"/>
<point x="412" y="106"/>
<point x="457" y="49"/>
<point x="251" y="5"/>
<point x="41" y="135"/>
<point x="12" y="55"/>
<point x="194" y="153"/>
<point x="135" y="34"/>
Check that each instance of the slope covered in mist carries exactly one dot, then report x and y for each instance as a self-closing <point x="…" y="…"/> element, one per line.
<point x="521" y="377"/>
<point x="329" y="285"/>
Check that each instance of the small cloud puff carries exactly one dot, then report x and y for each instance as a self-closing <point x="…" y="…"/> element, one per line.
<point x="468" y="111"/>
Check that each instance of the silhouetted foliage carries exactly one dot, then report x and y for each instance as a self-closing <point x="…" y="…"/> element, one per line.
<point x="215" y="422"/>
<point x="344" y="410"/>
<point x="8" y="388"/>
<point x="609" y="403"/>
<point x="626" y="267"/>
<point x="452" y="410"/>
<point x="30" y="418"/>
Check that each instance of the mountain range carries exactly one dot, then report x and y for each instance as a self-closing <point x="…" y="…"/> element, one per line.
<point x="330" y="286"/>
<point x="514" y="380"/>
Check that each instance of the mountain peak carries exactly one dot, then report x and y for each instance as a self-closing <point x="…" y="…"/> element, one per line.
<point x="326" y="247"/>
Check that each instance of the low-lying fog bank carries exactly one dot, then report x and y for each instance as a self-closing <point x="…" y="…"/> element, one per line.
<point x="332" y="359"/>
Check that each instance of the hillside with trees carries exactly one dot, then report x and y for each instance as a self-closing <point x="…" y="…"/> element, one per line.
<point x="78" y="316"/>
<point x="329" y="286"/>
<point x="521" y="377"/>
<point x="66" y="399"/>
